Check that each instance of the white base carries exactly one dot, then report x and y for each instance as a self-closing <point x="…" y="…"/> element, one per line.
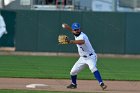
<point x="35" y="85"/>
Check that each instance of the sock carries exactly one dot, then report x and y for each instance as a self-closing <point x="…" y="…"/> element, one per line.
<point x="74" y="78"/>
<point x="98" y="76"/>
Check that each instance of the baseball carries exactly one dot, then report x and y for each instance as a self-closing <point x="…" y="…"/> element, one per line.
<point x="63" y="25"/>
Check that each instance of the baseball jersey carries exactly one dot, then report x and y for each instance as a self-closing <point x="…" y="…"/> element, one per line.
<point x="86" y="48"/>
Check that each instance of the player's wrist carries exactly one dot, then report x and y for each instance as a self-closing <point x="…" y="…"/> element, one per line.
<point x="71" y="42"/>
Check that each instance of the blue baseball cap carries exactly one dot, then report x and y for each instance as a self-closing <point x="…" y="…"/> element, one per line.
<point x="75" y="26"/>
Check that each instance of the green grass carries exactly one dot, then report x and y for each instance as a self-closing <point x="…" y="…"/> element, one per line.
<point x="59" y="67"/>
<point x="120" y="68"/>
<point x="34" y="91"/>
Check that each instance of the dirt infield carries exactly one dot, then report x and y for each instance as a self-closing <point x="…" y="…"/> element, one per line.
<point x="60" y="85"/>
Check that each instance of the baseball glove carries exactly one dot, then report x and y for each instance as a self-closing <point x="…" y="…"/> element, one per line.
<point x="63" y="39"/>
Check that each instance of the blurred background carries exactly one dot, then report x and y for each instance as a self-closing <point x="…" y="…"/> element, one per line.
<point x="78" y="5"/>
<point x="112" y="25"/>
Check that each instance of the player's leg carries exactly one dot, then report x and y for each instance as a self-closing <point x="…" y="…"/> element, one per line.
<point x="99" y="78"/>
<point x="94" y="70"/>
<point x="92" y="66"/>
<point x="78" y="66"/>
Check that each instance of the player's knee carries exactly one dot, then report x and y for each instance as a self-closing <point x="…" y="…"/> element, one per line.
<point x="73" y="73"/>
<point x="94" y="69"/>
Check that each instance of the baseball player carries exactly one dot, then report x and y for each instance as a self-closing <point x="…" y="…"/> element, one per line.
<point x="87" y="54"/>
<point x="2" y="26"/>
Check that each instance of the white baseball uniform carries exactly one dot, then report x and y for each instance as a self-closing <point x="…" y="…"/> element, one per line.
<point x="2" y="26"/>
<point x="87" y="56"/>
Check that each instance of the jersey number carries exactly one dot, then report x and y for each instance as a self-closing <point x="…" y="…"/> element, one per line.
<point x="82" y="48"/>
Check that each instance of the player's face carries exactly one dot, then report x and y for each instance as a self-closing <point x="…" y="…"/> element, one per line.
<point x="76" y="32"/>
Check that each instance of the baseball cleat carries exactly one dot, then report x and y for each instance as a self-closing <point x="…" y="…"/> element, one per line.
<point x="72" y="86"/>
<point x="103" y="86"/>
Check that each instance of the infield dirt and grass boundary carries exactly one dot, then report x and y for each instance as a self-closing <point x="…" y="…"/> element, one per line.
<point x="27" y="69"/>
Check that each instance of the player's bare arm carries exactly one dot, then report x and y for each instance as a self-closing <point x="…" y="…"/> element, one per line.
<point x="80" y="42"/>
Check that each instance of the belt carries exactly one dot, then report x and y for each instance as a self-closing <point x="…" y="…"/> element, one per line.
<point x="85" y="56"/>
